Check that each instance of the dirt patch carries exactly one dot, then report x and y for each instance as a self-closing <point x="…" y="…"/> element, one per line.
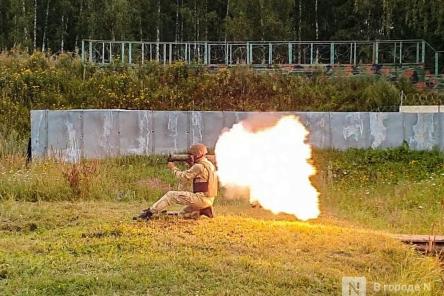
<point x="17" y="227"/>
<point x="102" y="234"/>
<point x="154" y="183"/>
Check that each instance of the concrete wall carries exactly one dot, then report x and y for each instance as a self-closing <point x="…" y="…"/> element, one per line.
<point x="75" y="134"/>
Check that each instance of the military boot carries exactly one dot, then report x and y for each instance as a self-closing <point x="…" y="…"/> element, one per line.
<point x="207" y="212"/>
<point x="145" y="215"/>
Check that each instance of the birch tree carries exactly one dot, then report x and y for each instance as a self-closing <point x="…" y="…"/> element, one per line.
<point x="158" y="31"/>
<point x="34" y="42"/>
<point x="316" y="20"/>
<point x="45" y="26"/>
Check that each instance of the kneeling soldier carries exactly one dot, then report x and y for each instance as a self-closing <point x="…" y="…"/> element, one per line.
<point x="205" y="187"/>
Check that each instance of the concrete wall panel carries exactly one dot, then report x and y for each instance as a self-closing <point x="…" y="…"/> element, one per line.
<point x="71" y="135"/>
<point x="136" y="132"/>
<point x="39" y="133"/>
<point x="171" y="131"/>
<point x="386" y="130"/>
<point x="441" y="131"/>
<point x="350" y="130"/>
<point x="206" y="127"/>
<point x="318" y="125"/>
<point x="421" y="130"/>
<point x="101" y="133"/>
<point x="231" y="118"/>
<point x="65" y="135"/>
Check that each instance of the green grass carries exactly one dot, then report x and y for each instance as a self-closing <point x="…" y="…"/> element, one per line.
<point x="67" y="230"/>
<point x="131" y="178"/>
<point x="393" y="190"/>
<point x="403" y="208"/>
<point x="85" y="248"/>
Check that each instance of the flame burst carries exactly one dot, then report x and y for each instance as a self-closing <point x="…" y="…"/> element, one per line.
<point x="273" y="163"/>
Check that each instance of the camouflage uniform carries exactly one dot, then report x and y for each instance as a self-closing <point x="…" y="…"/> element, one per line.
<point x="201" y="172"/>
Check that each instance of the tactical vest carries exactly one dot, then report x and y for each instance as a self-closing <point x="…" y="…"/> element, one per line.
<point x="210" y="188"/>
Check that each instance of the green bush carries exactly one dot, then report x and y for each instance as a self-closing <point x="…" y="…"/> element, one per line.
<point x="38" y="81"/>
<point x="369" y="168"/>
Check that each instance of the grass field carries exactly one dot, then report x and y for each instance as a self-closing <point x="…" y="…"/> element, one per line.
<point x="93" y="248"/>
<point x="67" y="230"/>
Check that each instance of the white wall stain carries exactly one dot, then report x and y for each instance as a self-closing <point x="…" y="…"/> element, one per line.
<point x="105" y="138"/>
<point x="72" y="151"/>
<point x="143" y="135"/>
<point x="422" y="138"/>
<point x="317" y="129"/>
<point x="173" y="128"/>
<point x="36" y="145"/>
<point x="354" y="128"/>
<point x="144" y="127"/>
<point x="236" y="115"/>
<point x="196" y="124"/>
<point x="378" y="129"/>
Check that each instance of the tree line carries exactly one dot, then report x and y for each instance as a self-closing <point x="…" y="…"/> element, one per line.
<point x="60" y="25"/>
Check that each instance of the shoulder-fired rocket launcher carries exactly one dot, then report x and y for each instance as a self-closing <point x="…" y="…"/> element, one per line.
<point x="189" y="158"/>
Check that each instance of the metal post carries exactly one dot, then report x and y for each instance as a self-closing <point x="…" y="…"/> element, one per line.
<point x="83" y="51"/>
<point x="110" y="52"/>
<point x="394" y="54"/>
<point x="248" y="53"/>
<point x="270" y="53"/>
<point x="143" y="53"/>
<point x="164" y="53"/>
<point x="290" y="53"/>
<point x="311" y="53"/>
<point x="351" y="53"/>
<point x="103" y="52"/>
<point x="90" y="52"/>
<point x="206" y="53"/>
<point x="186" y="52"/>
<point x="170" y="53"/>
<point x="123" y="52"/>
<point x="400" y="52"/>
<point x="436" y="63"/>
<point x="130" y="53"/>
<point x="355" y="57"/>
<point x="231" y="54"/>
<point x="158" y="52"/>
<point x="299" y="61"/>
<point x="376" y="53"/>
<point x="151" y="52"/>
<point x="189" y="53"/>
<point x="332" y="53"/>
<point x="417" y="52"/>
<point x="423" y="51"/>
<point x="226" y="53"/>
<point x="209" y="54"/>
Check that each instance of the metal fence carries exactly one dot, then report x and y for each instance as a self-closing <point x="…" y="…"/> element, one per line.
<point x="261" y="53"/>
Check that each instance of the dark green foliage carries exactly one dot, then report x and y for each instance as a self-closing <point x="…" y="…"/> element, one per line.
<point x="61" y="24"/>
<point x="62" y="82"/>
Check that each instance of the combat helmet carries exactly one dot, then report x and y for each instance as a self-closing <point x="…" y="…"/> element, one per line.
<point x="198" y="150"/>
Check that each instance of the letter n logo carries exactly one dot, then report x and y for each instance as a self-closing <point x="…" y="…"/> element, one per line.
<point x="354" y="286"/>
